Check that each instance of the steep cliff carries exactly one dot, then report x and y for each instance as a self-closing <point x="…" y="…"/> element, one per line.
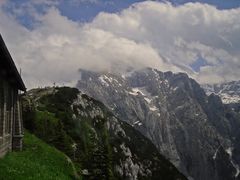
<point x="195" y="131"/>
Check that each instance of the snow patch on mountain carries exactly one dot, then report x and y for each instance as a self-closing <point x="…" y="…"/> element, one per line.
<point x="153" y="108"/>
<point x="138" y="123"/>
<point x="148" y="100"/>
<point x="229" y="151"/>
<point x="215" y="154"/>
<point x="227" y="98"/>
<point x="103" y="81"/>
<point x="136" y="91"/>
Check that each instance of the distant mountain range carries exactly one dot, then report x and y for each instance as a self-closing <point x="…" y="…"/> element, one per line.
<point x="196" y="132"/>
<point x="229" y="92"/>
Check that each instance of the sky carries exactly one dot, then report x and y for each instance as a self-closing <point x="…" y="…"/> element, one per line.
<point x="50" y="40"/>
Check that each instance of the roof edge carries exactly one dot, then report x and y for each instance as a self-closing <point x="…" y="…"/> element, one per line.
<point x="20" y="83"/>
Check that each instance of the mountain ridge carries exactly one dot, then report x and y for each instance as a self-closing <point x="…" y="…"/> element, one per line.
<point x="173" y="111"/>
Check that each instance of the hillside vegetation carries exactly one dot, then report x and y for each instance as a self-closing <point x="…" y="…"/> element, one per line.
<point x="38" y="160"/>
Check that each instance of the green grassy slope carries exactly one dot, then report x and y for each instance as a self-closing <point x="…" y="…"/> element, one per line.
<point x="37" y="161"/>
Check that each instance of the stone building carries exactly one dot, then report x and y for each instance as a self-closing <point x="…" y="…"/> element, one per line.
<point x="11" y="84"/>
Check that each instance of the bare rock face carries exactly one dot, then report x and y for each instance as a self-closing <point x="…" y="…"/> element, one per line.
<point x="173" y="111"/>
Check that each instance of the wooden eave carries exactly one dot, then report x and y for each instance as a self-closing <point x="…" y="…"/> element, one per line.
<point x="8" y="68"/>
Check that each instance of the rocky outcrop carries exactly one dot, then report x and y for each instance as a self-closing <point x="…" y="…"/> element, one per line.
<point x="173" y="111"/>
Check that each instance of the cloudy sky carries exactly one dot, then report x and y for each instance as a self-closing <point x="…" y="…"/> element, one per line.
<point x="50" y="40"/>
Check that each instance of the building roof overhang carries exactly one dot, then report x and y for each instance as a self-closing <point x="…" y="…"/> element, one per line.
<point x="8" y="67"/>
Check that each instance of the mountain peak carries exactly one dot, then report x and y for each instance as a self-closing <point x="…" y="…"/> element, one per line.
<point x="173" y="111"/>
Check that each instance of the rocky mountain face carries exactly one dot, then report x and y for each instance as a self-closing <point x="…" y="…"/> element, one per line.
<point x="100" y="145"/>
<point x="229" y="92"/>
<point x="194" y="131"/>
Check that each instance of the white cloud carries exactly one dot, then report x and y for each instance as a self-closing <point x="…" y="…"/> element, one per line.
<point x="151" y="34"/>
<point x="54" y="51"/>
<point x="181" y="34"/>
